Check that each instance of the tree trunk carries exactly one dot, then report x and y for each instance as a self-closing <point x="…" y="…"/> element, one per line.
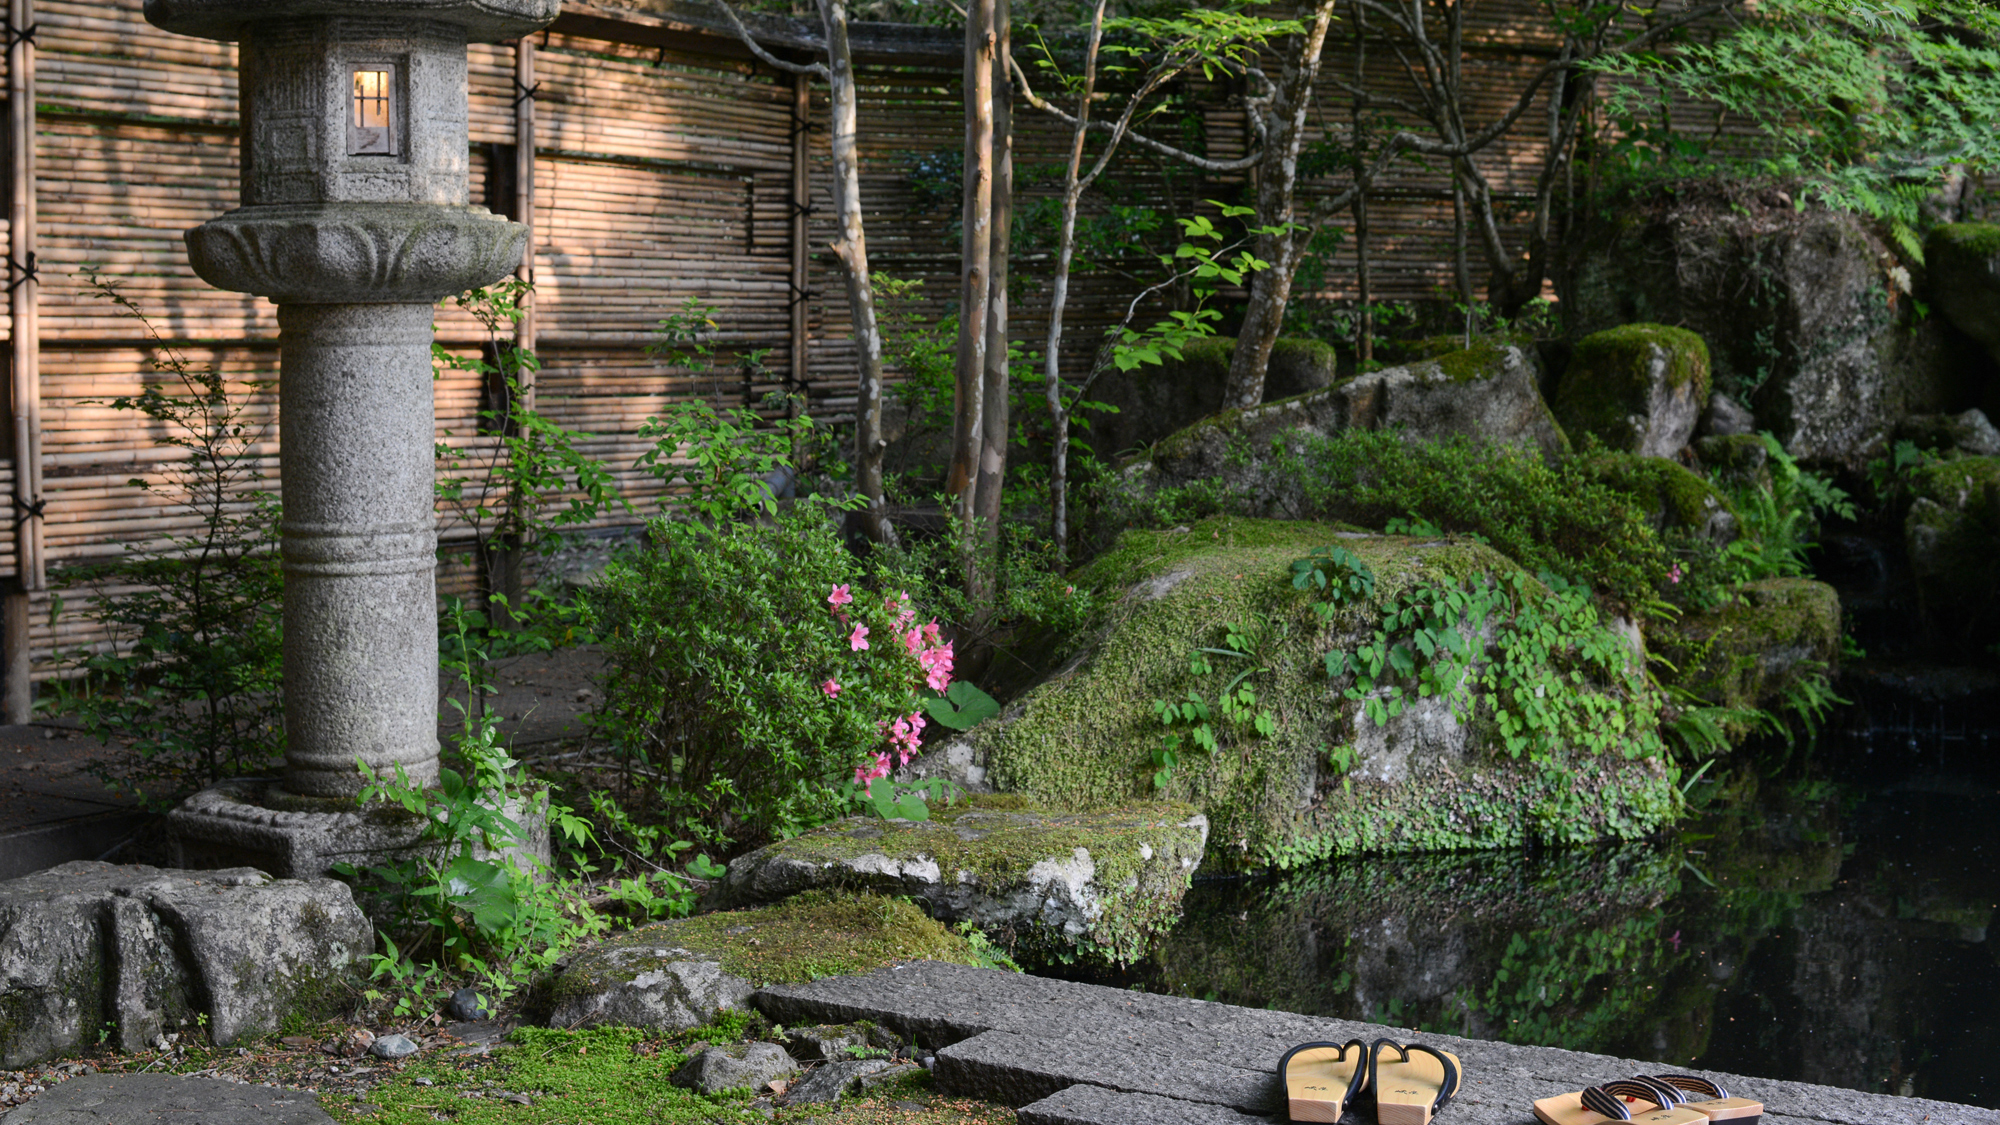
<point x="968" y="400"/>
<point x="1059" y="298"/>
<point x="995" y="404"/>
<point x="850" y="248"/>
<point x="1278" y="174"/>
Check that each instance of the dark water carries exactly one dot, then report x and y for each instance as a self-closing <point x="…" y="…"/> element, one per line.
<point x="1826" y="918"/>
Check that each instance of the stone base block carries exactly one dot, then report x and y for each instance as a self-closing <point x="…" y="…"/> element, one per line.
<point x="257" y="823"/>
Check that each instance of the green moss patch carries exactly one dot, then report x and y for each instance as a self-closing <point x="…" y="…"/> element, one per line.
<point x="1952" y="537"/>
<point x="1672" y="496"/>
<point x="1608" y="390"/>
<point x="814" y="935"/>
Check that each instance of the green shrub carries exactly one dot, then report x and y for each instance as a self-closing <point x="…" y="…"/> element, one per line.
<point x="721" y="644"/>
<point x="1554" y="519"/>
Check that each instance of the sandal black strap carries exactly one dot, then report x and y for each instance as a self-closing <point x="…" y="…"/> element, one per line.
<point x="1608" y="1099"/>
<point x="1403" y="1050"/>
<point x="1708" y="1088"/>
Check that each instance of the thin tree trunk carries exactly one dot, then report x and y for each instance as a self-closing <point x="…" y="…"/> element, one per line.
<point x="1278" y="174"/>
<point x="1059" y="298"/>
<point x="968" y="400"/>
<point x="850" y="248"/>
<point x="1364" y="319"/>
<point x="995" y="404"/>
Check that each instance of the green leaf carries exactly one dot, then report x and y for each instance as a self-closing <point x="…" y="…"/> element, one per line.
<point x="962" y="707"/>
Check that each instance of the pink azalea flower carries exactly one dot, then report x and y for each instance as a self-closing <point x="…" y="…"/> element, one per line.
<point x="912" y="640"/>
<point x="831" y="688"/>
<point x="840" y="596"/>
<point x="1674" y="575"/>
<point x="931" y="632"/>
<point x="857" y="641"/>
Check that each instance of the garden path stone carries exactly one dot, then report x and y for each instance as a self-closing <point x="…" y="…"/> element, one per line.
<point x="166" y="1099"/>
<point x="1080" y="1054"/>
<point x="651" y="985"/>
<point x="1105" y="881"/>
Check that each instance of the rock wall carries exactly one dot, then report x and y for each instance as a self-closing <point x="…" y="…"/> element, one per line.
<point x="1809" y="315"/>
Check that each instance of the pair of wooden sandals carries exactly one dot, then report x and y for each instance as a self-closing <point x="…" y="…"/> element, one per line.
<point x="1661" y="1099"/>
<point x="1408" y="1082"/>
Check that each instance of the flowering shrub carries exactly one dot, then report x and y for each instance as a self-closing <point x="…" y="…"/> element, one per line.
<point x="755" y="687"/>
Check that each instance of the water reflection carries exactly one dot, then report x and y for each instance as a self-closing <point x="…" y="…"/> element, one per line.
<point x="1799" y="929"/>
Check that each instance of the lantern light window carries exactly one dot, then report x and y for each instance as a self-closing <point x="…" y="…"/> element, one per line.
<point x="371" y="121"/>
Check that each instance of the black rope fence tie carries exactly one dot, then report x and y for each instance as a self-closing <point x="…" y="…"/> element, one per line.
<point x="525" y="93"/>
<point x="26" y="273"/>
<point x="25" y="511"/>
<point x="17" y="36"/>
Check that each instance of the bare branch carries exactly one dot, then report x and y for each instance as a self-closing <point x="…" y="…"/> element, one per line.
<point x="818" y="70"/>
<point x="1145" y="142"/>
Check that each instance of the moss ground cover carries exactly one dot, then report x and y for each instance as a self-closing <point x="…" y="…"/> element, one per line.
<point x="813" y="935"/>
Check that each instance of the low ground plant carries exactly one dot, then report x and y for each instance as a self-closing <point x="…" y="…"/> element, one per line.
<point x="1546" y="517"/>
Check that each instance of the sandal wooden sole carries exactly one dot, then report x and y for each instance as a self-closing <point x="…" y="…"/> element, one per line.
<point x="1406" y="1089"/>
<point x="1736" y="1111"/>
<point x="1322" y="1078"/>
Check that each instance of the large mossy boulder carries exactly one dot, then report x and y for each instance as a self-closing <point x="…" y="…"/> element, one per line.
<point x="1101" y="883"/>
<point x="148" y="951"/>
<point x="1751" y="651"/>
<point x="1952" y="537"/>
<point x="1809" y="316"/>
<point x="1964" y="264"/>
<point x="1154" y="400"/>
<point x="676" y="975"/>
<point x="1638" y="388"/>
<point x="1337" y="770"/>
<point x="1490" y="392"/>
<point x="1968" y="431"/>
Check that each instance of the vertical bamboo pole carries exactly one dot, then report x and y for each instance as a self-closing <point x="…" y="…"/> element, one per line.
<point x="524" y="199"/>
<point x="801" y="235"/>
<point x="16" y="667"/>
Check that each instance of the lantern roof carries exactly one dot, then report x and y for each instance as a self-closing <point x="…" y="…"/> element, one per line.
<point x="484" y="21"/>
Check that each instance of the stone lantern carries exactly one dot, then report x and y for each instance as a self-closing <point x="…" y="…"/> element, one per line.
<point x="355" y="222"/>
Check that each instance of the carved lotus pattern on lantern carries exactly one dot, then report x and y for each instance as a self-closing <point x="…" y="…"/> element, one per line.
<point x="338" y="253"/>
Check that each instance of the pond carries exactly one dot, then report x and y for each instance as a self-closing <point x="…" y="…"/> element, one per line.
<point x="1824" y="920"/>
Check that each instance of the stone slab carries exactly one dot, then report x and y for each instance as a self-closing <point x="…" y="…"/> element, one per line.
<point x="166" y="1099"/>
<point x="1095" y="1105"/>
<point x="1026" y="1040"/>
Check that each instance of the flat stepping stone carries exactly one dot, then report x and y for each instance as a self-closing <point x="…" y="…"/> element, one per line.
<point x="1065" y="1053"/>
<point x="166" y="1099"/>
<point x="1104" y="882"/>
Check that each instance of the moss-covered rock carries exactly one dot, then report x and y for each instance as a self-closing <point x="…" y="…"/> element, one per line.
<point x="1490" y="392"/>
<point x="677" y="975"/>
<point x="1673" y="497"/>
<point x="1639" y="388"/>
<point x="1952" y="537"/>
<point x="1963" y="260"/>
<point x="1748" y="652"/>
<point x="1100" y="883"/>
<point x="1327" y="778"/>
<point x="1154" y="400"/>
<point x="1737" y="460"/>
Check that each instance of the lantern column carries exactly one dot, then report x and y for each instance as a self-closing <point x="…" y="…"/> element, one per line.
<point x="355" y="222"/>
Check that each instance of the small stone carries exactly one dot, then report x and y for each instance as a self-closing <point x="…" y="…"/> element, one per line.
<point x="393" y="1047"/>
<point x="520" y="1099"/>
<point x="468" y="1004"/>
<point x="422" y="1082"/>
<point x="743" y="1065"/>
<point x="825" y="1042"/>
<point x="909" y="1106"/>
<point x="830" y="1081"/>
